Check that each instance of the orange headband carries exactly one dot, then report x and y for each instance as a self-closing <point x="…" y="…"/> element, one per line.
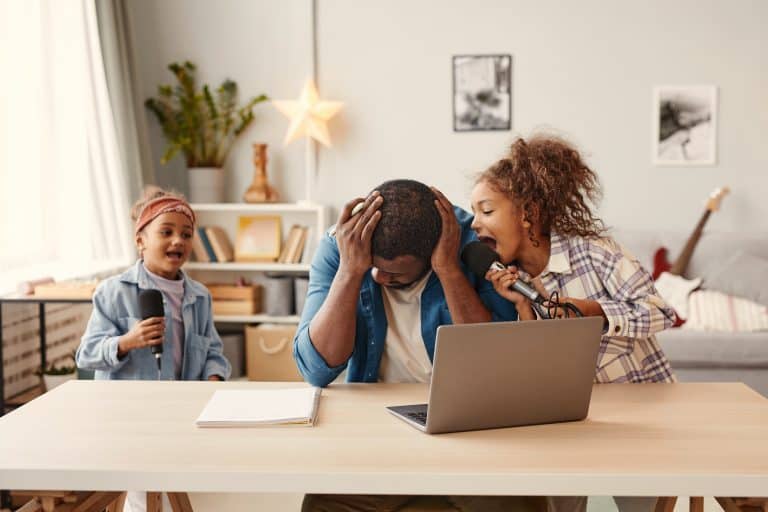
<point x="160" y="205"/>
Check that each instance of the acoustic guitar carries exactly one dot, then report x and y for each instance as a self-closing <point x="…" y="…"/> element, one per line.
<point x="660" y="263"/>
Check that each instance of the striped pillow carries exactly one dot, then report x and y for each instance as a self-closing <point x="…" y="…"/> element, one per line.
<point x="709" y="310"/>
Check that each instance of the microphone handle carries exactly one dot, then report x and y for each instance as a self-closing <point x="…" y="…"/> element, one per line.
<point x="521" y="287"/>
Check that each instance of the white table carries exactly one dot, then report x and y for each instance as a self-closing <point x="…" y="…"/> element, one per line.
<point x="650" y="439"/>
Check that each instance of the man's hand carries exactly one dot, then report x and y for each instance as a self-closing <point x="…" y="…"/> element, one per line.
<point x="354" y="232"/>
<point x="146" y="333"/>
<point x="445" y="257"/>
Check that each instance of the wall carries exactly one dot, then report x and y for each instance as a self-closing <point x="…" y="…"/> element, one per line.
<point x="585" y="68"/>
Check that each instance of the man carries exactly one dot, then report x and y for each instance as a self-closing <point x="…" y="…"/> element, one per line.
<point x="381" y="287"/>
<point x="378" y="291"/>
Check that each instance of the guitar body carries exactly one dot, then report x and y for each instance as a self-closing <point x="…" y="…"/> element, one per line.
<point x="660" y="262"/>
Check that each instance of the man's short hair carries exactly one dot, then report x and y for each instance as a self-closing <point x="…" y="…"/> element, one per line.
<point x="410" y="223"/>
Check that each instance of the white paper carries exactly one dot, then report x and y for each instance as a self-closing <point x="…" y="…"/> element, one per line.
<point x="260" y="407"/>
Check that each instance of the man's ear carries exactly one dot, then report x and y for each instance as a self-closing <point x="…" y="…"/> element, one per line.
<point x="139" y="242"/>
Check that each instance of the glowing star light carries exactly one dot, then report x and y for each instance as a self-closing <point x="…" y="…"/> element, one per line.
<point x="308" y="115"/>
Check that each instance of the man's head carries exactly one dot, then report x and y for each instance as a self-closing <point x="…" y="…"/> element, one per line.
<point x="406" y="234"/>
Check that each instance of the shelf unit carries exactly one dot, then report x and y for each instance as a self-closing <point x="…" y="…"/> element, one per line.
<point x="226" y="216"/>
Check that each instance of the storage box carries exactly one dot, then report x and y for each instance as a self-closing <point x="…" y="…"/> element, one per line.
<point x="234" y="292"/>
<point x="269" y="352"/>
<point x="235" y="307"/>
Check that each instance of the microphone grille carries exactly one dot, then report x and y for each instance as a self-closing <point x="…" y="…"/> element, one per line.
<point x="151" y="303"/>
<point x="478" y="257"/>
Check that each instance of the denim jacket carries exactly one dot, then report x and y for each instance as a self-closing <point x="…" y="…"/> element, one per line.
<point x="116" y="310"/>
<point x="371" y="321"/>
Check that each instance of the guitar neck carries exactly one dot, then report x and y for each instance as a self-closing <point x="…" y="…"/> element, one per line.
<point x="681" y="263"/>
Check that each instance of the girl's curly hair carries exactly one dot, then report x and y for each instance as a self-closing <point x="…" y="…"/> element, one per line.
<point x="548" y="179"/>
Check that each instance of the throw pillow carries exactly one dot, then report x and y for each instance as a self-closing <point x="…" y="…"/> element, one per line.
<point x="710" y="310"/>
<point x="742" y="275"/>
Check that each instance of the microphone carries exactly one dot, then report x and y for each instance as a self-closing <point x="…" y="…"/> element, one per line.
<point x="480" y="259"/>
<point x="151" y="305"/>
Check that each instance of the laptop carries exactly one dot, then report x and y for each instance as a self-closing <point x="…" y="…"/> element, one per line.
<point x="507" y="374"/>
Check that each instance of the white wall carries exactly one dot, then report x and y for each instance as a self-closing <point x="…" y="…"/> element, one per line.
<point x="585" y="68"/>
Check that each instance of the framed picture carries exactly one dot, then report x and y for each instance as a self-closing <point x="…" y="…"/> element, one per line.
<point x="258" y="238"/>
<point x="684" y="125"/>
<point x="481" y="92"/>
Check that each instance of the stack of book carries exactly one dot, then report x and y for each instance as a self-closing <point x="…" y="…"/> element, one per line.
<point x="212" y="245"/>
<point x="230" y="299"/>
<point x="293" y="248"/>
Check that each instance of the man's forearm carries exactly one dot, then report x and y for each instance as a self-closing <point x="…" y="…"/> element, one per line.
<point x="332" y="330"/>
<point x="463" y="302"/>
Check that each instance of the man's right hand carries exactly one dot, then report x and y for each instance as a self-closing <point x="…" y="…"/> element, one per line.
<point x="354" y="233"/>
<point x="146" y="333"/>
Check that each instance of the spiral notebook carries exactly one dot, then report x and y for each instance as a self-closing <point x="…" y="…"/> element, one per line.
<point x="261" y="407"/>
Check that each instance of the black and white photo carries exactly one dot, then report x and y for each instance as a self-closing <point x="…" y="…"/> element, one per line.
<point x="685" y="125"/>
<point x="481" y="92"/>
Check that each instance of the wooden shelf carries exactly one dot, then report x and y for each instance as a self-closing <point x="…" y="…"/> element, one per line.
<point x="250" y="267"/>
<point x="257" y="319"/>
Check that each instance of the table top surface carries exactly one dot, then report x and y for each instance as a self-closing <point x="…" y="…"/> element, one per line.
<point x="646" y="439"/>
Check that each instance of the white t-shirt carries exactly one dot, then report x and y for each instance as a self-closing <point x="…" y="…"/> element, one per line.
<point x="173" y="292"/>
<point x="405" y="357"/>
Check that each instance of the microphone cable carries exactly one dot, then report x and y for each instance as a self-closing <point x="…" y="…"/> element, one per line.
<point x="548" y="310"/>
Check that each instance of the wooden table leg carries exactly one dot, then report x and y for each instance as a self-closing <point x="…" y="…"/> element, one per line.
<point x="118" y="504"/>
<point x="96" y="501"/>
<point x="666" y="504"/>
<point x="154" y="502"/>
<point x="696" y="504"/>
<point x="179" y="502"/>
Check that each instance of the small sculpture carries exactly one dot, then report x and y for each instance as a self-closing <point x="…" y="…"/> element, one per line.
<point x="260" y="190"/>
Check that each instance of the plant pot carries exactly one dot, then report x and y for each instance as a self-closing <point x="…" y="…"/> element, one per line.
<point x="206" y="185"/>
<point x="51" y="381"/>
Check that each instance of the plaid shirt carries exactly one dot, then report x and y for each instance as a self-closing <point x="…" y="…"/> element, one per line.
<point x="602" y="270"/>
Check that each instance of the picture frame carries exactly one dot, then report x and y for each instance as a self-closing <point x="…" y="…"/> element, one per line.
<point x="684" y="125"/>
<point x="482" y="98"/>
<point x="258" y="238"/>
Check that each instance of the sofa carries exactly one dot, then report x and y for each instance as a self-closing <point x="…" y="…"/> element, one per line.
<point x="719" y="259"/>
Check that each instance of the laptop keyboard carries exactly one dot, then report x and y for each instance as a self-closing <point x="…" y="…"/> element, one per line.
<point x="418" y="417"/>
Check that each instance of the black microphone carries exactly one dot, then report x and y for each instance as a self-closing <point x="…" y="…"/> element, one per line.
<point x="480" y="259"/>
<point x="151" y="305"/>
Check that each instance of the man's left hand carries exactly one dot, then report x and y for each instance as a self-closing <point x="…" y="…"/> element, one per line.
<point x="445" y="257"/>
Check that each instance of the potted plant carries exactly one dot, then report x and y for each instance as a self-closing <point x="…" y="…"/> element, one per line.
<point x="55" y="375"/>
<point x="201" y="125"/>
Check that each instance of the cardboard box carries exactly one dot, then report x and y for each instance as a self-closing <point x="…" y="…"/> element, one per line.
<point x="234" y="292"/>
<point x="269" y="352"/>
<point x="235" y="307"/>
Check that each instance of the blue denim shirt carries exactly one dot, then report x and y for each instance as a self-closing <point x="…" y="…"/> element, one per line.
<point x="371" y="321"/>
<point x="116" y="310"/>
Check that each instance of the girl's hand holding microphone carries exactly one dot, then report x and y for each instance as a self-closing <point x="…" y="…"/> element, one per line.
<point x="502" y="281"/>
<point x="145" y="333"/>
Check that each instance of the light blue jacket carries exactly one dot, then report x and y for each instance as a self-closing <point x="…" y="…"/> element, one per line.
<point x="371" y="321"/>
<point x="116" y="310"/>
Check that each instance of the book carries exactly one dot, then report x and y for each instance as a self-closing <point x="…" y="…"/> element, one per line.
<point x="198" y="250"/>
<point x="290" y="243"/>
<point x="294" y="254"/>
<point x="206" y="244"/>
<point x="220" y="243"/>
<point x="260" y="407"/>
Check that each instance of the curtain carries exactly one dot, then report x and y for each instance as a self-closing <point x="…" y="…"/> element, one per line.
<point x="127" y="108"/>
<point x="64" y="205"/>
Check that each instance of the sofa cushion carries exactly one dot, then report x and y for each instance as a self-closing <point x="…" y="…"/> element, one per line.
<point x="686" y="348"/>
<point x="744" y="275"/>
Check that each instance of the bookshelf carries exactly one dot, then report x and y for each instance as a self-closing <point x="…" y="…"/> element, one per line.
<point x="226" y="215"/>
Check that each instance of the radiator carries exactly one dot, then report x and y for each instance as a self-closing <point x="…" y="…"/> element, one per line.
<point x="65" y="324"/>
